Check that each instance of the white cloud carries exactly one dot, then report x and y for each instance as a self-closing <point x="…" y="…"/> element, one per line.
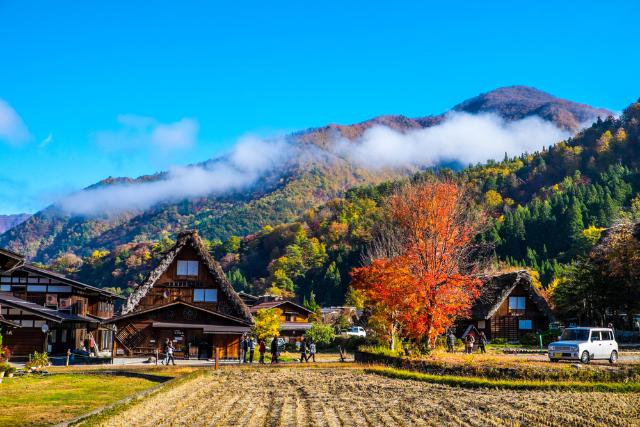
<point x="146" y="132"/>
<point x="247" y="162"/>
<point x="12" y="128"/>
<point x="462" y="137"/>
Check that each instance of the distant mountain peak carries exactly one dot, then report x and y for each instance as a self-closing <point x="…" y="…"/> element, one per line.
<point x="518" y="102"/>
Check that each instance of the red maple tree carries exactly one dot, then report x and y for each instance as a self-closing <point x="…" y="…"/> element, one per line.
<point x="421" y="275"/>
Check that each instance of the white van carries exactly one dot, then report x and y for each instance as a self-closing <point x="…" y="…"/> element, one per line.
<point x="585" y="344"/>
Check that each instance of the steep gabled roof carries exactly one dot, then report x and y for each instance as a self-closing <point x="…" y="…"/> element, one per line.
<point x="192" y="239"/>
<point x="274" y="304"/>
<point x="498" y="287"/>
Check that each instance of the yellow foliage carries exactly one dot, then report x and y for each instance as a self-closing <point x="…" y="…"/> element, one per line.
<point x="493" y="199"/>
<point x="621" y="135"/>
<point x="603" y="142"/>
<point x="267" y="323"/>
<point x="592" y="234"/>
<point x="509" y="201"/>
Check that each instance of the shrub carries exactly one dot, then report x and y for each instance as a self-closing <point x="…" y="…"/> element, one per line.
<point x="530" y="339"/>
<point x="499" y="341"/>
<point x="38" y="361"/>
<point x="4" y="368"/>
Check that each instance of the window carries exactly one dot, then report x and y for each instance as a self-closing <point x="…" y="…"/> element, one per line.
<point x="481" y="324"/>
<point x="187" y="268"/>
<point x="38" y="323"/>
<point x="36" y="288"/>
<point x="205" y="295"/>
<point x="5" y="279"/>
<point x="517" y="303"/>
<point x="27" y="323"/>
<point x="5" y="288"/>
<point x="58" y="288"/>
<point x="595" y="336"/>
<point x="607" y="335"/>
<point x="525" y="324"/>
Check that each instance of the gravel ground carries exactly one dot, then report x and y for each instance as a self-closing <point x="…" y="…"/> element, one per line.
<point x="297" y="396"/>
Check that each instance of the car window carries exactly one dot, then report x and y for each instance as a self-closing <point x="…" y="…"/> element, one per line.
<point x="595" y="335"/>
<point x="606" y="335"/>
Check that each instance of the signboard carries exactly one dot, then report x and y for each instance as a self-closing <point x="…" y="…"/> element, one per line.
<point x="65" y="304"/>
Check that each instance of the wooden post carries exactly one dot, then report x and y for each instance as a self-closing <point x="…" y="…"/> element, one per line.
<point x="157" y="354"/>
<point x="68" y="355"/>
<point x="217" y="350"/>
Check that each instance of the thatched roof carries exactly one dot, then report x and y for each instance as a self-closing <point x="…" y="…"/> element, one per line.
<point x="236" y="307"/>
<point x="497" y="288"/>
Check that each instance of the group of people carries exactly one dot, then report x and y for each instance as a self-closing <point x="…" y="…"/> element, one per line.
<point x="469" y="342"/>
<point x="307" y="350"/>
<point x="248" y="348"/>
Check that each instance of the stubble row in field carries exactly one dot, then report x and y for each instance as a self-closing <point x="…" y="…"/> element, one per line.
<point x="335" y="397"/>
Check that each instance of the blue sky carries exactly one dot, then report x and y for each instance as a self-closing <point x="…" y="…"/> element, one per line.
<point x="126" y="88"/>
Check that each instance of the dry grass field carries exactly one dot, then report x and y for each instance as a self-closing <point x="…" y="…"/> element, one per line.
<point x="296" y="396"/>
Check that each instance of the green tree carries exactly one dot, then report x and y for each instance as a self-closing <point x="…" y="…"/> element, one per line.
<point x="320" y="333"/>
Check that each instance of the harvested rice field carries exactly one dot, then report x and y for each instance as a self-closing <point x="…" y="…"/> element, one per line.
<point x="297" y="396"/>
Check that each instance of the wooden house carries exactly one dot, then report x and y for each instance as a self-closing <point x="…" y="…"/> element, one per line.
<point x="294" y="319"/>
<point x="509" y="306"/>
<point x="186" y="299"/>
<point x="55" y="313"/>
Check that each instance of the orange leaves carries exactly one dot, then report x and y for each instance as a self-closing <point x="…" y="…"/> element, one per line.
<point x="429" y="283"/>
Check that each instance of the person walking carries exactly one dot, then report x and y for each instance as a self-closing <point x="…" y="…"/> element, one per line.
<point x="274" y="350"/>
<point x="261" y="349"/>
<point x="451" y="341"/>
<point x="165" y="350"/>
<point x="252" y="349"/>
<point x="469" y="340"/>
<point x="245" y="350"/>
<point x="303" y="351"/>
<point x="482" y="342"/>
<point x="243" y="339"/>
<point x="312" y="351"/>
<point x="170" y="349"/>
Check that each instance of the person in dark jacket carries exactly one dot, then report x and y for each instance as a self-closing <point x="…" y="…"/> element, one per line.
<point x="482" y="342"/>
<point x="451" y="341"/>
<point x="303" y="351"/>
<point x="252" y="348"/>
<point x="243" y="339"/>
<point x="262" y="347"/>
<point x="245" y="349"/>
<point x="274" y="350"/>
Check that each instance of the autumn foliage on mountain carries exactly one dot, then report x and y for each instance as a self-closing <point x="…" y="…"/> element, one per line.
<point x="421" y="276"/>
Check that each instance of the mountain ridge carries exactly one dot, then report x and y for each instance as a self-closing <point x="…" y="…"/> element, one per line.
<point x="278" y="197"/>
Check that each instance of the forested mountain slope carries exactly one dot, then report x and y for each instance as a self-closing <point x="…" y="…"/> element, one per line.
<point x="278" y="197"/>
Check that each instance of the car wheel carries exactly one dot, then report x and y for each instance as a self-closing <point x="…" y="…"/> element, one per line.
<point x="614" y="357"/>
<point x="584" y="357"/>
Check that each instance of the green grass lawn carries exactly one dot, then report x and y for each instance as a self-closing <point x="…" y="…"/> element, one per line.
<point x="50" y="399"/>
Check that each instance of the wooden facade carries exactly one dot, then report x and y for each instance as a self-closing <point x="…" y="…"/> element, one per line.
<point x="509" y="307"/>
<point x="188" y="300"/>
<point x="72" y="311"/>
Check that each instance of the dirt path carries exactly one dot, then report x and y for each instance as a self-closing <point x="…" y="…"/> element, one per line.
<point x="294" y="396"/>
